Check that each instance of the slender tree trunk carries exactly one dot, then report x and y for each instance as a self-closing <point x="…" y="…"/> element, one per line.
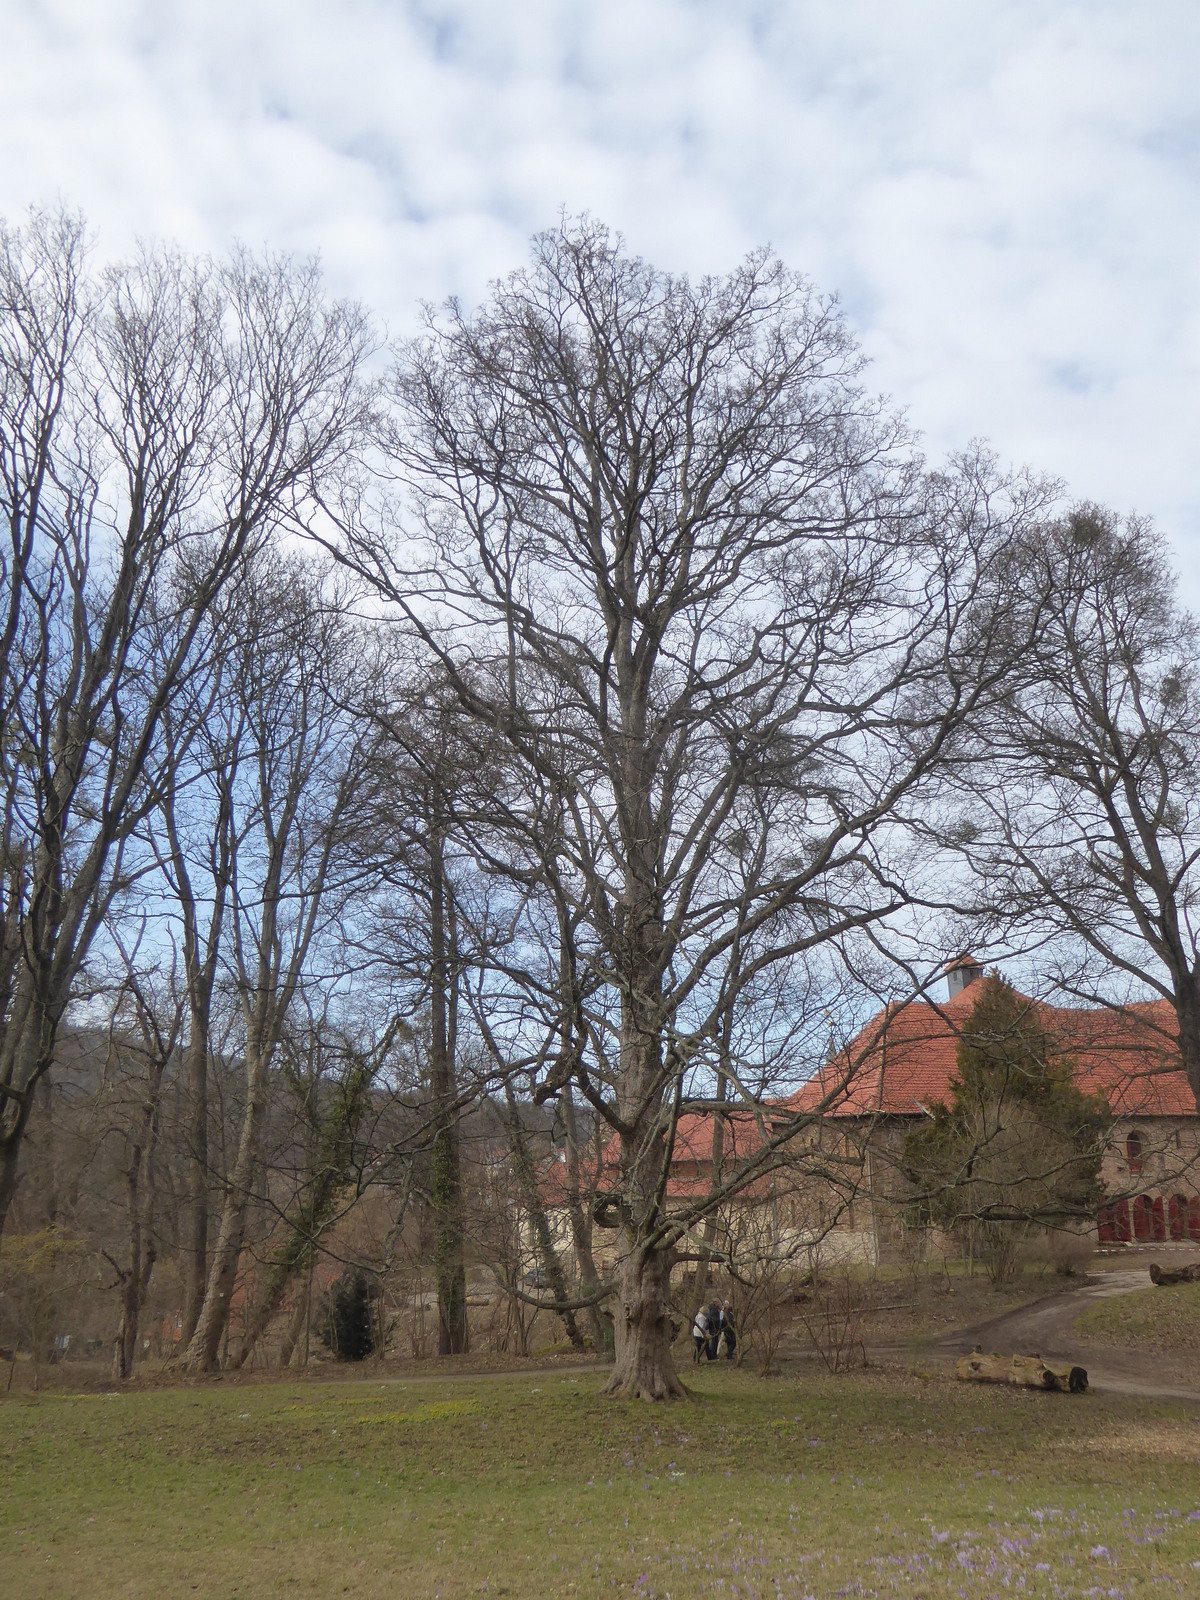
<point x="1187" y="1013"/>
<point x="195" y="1251"/>
<point x="140" y="1204"/>
<point x="446" y="1196"/>
<point x="10" y="1163"/>
<point x="310" y="1220"/>
<point x="23" y="1071"/>
<point x="581" y="1232"/>
<point x="527" y="1179"/>
<point x="296" y="1324"/>
<point x="213" y="1322"/>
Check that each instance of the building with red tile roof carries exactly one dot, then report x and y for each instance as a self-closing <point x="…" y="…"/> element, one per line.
<point x="838" y="1189"/>
<point x="902" y="1063"/>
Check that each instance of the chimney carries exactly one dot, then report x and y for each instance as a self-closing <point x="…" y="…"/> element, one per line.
<point x="962" y="972"/>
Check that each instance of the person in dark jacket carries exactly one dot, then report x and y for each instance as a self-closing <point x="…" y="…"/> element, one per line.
<point x="714" y="1330"/>
<point x="728" y="1331"/>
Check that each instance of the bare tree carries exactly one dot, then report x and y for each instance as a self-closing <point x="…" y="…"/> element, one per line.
<point x="143" y="1037"/>
<point x="192" y="838"/>
<point x="332" y="1074"/>
<point x="298" y="784"/>
<point x="157" y="423"/>
<point x="1080" y="810"/>
<point x="696" y="581"/>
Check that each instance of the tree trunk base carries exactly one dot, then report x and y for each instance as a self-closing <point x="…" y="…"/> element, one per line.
<point x="644" y="1367"/>
<point x="1164" y="1276"/>
<point x="645" y="1380"/>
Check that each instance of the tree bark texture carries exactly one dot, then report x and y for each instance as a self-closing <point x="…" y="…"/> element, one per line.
<point x="1021" y="1372"/>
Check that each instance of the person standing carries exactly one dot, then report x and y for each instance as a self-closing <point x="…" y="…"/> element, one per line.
<point x="714" y="1329"/>
<point x="728" y="1331"/>
<point x="700" y="1334"/>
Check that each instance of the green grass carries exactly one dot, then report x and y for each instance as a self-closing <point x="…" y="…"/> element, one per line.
<point x="1158" y="1319"/>
<point x="536" y="1486"/>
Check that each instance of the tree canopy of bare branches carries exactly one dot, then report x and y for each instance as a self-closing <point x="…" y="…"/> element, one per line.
<point x="158" y="422"/>
<point x="694" y="579"/>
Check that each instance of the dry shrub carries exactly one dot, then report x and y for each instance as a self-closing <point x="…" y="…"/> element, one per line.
<point x="835" y="1316"/>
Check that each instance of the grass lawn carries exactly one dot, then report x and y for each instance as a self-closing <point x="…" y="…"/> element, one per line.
<point x="870" y="1485"/>
<point x="1149" y="1319"/>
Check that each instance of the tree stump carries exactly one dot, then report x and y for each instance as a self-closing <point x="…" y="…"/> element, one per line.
<point x="1022" y="1372"/>
<point x="1164" y="1276"/>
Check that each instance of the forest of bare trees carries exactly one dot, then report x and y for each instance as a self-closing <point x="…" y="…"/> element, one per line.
<point x="430" y="773"/>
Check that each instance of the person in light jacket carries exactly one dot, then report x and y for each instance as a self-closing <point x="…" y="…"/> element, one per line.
<point x="700" y="1334"/>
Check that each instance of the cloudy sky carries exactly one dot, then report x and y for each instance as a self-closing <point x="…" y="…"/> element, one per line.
<point x="1005" y="193"/>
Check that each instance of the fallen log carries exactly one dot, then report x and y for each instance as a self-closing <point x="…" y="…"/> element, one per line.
<point x="1165" y="1276"/>
<point x="1022" y="1372"/>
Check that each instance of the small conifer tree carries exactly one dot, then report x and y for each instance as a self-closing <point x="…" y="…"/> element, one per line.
<point x="349" y="1330"/>
<point x="1018" y="1144"/>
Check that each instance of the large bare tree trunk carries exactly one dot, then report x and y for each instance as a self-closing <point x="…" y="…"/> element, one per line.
<point x="644" y="1368"/>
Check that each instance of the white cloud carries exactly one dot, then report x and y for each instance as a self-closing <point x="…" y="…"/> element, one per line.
<point x="1006" y="195"/>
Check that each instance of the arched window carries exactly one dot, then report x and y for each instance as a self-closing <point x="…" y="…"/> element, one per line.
<point x="1143" y="1220"/>
<point x="1194" y="1218"/>
<point x="1124" y="1232"/>
<point x="1106" y="1224"/>
<point x="1158" y="1226"/>
<point x="1177" y="1216"/>
<point x="1133" y="1151"/>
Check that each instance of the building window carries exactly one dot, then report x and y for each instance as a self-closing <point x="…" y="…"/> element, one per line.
<point x="1134" y="1148"/>
<point x="1121" y="1222"/>
<point x="1143" y="1220"/>
<point x="1177" y="1216"/>
<point x="1106" y="1224"/>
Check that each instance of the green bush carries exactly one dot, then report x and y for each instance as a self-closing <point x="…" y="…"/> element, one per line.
<point x="349" y="1329"/>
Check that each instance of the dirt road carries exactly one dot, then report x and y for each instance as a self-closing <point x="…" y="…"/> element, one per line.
<point x="1045" y="1329"/>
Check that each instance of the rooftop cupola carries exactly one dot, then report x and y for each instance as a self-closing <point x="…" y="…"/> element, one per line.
<point x="961" y="972"/>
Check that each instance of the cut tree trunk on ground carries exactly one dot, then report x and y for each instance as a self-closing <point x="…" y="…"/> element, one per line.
<point x="1165" y="1276"/>
<point x="1022" y="1372"/>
